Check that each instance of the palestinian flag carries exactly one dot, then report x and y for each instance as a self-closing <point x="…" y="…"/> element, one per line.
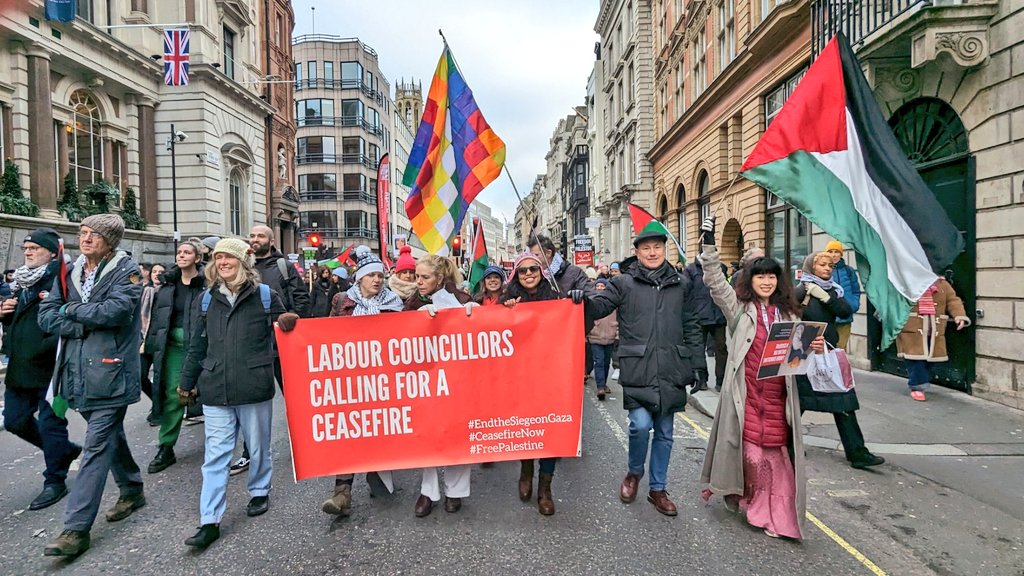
<point x="644" y="221"/>
<point x="831" y="154"/>
<point x="479" y="264"/>
<point x="339" y="260"/>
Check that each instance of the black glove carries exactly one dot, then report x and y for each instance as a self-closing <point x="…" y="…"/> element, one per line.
<point x="708" y="231"/>
<point x="577" y="296"/>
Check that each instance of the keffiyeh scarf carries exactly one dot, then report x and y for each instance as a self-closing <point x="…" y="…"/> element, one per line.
<point x="386" y="301"/>
<point x="88" y="277"/>
<point x="25" y="277"/>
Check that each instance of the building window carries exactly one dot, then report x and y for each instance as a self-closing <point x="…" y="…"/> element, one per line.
<point x="229" y="52"/>
<point x="767" y="6"/>
<point x="318" y="186"/>
<point x="663" y="111"/>
<point x="84" y="10"/>
<point x="315" y="112"/>
<point x="351" y="74"/>
<point x="700" y="64"/>
<point x="277" y="30"/>
<point x="85" y="150"/>
<point x="622" y="101"/>
<point x="356" y="223"/>
<point x="315" y="149"/>
<point x="329" y="74"/>
<point x="325" y="220"/>
<point x="298" y="75"/>
<point x="789" y="234"/>
<point x="140" y="6"/>
<point x="776" y="98"/>
<point x="632" y="84"/>
<point x="354" y="182"/>
<point x="235" y="203"/>
<point x="703" y="195"/>
<point x="726" y="33"/>
<point x="681" y="215"/>
<point x="374" y="154"/>
<point x="353" y="150"/>
<point x="351" y="112"/>
<point x="311" y="72"/>
<point x="680" y="91"/>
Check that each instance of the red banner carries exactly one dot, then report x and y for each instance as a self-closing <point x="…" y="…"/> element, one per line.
<point x="404" y="390"/>
<point x="384" y="207"/>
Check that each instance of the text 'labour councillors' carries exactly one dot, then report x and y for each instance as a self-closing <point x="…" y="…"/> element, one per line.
<point x="382" y="387"/>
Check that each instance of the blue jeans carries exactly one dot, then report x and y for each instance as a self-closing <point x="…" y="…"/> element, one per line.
<point x="920" y="374"/>
<point x="48" y="433"/>
<point x="105" y="450"/>
<point x="640" y="424"/>
<point x="221" y="423"/>
<point x="602" y="359"/>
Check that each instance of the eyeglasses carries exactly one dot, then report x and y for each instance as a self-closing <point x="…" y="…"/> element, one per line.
<point x="31" y="248"/>
<point x="91" y="234"/>
<point x="528" y="270"/>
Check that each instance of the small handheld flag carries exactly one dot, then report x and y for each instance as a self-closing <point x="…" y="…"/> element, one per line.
<point x="476" y="269"/>
<point x="644" y="221"/>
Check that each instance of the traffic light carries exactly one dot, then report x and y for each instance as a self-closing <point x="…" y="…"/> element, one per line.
<point x="457" y="246"/>
<point x="314" y="240"/>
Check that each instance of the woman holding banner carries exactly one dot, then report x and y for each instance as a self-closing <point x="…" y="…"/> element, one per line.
<point x="530" y="283"/>
<point x="437" y="276"/>
<point x="824" y="301"/>
<point x="755" y="453"/>
<point x="367" y="297"/>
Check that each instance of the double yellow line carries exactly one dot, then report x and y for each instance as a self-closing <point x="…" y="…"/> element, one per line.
<point x="849" y="548"/>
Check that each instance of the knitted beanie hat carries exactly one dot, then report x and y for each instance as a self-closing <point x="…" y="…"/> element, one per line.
<point x="109" y="226"/>
<point x="405" y="260"/>
<point x="492" y="269"/>
<point x="525" y="259"/>
<point x="45" y="237"/>
<point x="235" y="247"/>
<point x="366" y="262"/>
<point x="834" y="245"/>
<point x="341" y="272"/>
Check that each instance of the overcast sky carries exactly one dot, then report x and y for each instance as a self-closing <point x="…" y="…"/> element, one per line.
<point x="527" y="62"/>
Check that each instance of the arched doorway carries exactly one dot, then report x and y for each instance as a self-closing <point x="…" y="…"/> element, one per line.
<point x="934" y="139"/>
<point x="732" y="242"/>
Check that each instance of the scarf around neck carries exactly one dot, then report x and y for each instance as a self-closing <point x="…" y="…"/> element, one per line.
<point x="88" y="278"/>
<point x="808" y="278"/>
<point x="25" y="277"/>
<point x="556" y="264"/>
<point x="386" y="301"/>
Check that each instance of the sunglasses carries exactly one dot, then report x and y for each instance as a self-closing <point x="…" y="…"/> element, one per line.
<point x="528" y="270"/>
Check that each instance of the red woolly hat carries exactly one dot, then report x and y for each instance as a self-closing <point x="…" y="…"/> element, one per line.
<point x="405" y="260"/>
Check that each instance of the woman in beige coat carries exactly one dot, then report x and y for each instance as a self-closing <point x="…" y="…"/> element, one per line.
<point x="755" y="453"/>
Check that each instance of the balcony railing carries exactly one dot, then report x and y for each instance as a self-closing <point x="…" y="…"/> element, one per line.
<point x="857" y="19"/>
<point x="316" y="158"/>
<point x="347" y="232"/>
<point x="318" y="195"/>
<point x="344" y="121"/>
<point x="360" y="195"/>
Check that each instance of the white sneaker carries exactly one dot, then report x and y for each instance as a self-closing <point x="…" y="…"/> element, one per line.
<point x="239" y="466"/>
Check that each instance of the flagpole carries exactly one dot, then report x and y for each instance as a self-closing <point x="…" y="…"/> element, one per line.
<point x="726" y="195"/>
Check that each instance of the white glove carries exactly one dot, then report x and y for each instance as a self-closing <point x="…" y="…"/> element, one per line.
<point x="818" y="292"/>
<point x="469" y="308"/>
<point x="708" y="225"/>
<point x="430" y="309"/>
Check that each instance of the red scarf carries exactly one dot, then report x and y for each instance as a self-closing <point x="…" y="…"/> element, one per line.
<point x="926" y="305"/>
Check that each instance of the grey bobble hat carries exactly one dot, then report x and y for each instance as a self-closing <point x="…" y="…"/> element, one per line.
<point x="109" y="226"/>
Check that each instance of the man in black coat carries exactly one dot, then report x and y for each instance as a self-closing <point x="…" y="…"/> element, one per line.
<point x="712" y="324"/>
<point x="32" y="354"/>
<point x="276" y="272"/>
<point x="659" y="345"/>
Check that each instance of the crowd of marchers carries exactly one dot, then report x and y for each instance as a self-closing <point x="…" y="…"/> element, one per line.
<point x="197" y="337"/>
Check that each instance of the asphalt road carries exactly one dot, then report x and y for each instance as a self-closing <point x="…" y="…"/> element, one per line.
<point x="885" y="522"/>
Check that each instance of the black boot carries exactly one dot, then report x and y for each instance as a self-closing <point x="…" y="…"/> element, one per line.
<point x="164" y="458"/>
<point x="207" y="534"/>
<point x="861" y="459"/>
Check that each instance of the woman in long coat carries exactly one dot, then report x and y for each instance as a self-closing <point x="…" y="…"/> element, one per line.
<point x="824" y="301"/>
<point x="755" y="454"/>
<point x="923" y="338"/>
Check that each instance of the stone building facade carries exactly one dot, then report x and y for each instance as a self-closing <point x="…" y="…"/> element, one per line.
<point x="82" y="99"/>
<point x="627" y="115"/>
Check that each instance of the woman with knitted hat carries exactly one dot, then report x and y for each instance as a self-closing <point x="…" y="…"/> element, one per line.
<point x="435" y="274"/>
<point x="489" y="290"/>
<point x="531" y="283"/>
<point x="823" y="301"/>
<point x="846" y="277"/>
<point x="367" y="297"/>
<point x="403" y="281"/>
<point x="234" y="382"/>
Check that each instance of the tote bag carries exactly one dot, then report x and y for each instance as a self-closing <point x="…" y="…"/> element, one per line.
<point x="830" y="372"/>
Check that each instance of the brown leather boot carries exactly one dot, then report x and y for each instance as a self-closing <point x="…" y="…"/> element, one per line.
<point x="340" y="504"/>
<point x="525" y="480"/>
<point x="545" y="502"/>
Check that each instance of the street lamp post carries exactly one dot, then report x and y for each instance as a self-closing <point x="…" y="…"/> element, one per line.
<point x="172" y="140"/>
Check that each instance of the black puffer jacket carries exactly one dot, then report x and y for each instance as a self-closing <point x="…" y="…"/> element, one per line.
<point x="230" y="355"/>
<point x="659" y="337"/>
<point x="320" y="298"/>
<point x="708" y="313"/>
<point x="290" y="287"/>
<point x="818" y="311"/>
<point x="161" y="321"/>
<point x="31" y="361"/>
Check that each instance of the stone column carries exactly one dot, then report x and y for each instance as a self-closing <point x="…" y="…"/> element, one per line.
<point x="108" y="160"/>
<point x="147" y="161"/>
<point x="41" y="152"/>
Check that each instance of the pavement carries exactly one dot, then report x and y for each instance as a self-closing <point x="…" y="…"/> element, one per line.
<point x="891" y="520"/>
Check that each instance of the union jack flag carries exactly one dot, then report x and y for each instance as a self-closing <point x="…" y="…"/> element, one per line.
<point x="176" y="57"/>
